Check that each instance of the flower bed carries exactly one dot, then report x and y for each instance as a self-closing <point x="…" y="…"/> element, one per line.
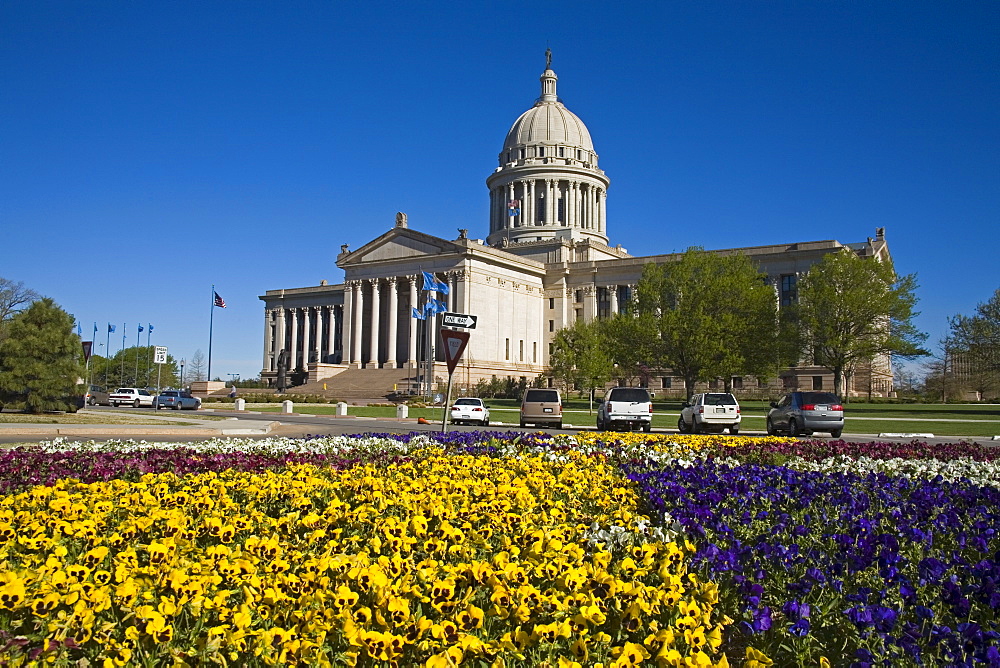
<point x="500" y="548"/>
<point x="432" y="559"/>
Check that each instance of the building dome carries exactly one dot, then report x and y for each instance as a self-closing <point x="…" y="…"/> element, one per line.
<point x="547" y="185"/>
<point x="549" y="122"/>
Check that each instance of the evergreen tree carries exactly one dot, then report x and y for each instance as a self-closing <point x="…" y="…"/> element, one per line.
<point x="41" y="360"/>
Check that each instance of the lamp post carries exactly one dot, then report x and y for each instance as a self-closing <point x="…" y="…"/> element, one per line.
<point x="182" y="373"/>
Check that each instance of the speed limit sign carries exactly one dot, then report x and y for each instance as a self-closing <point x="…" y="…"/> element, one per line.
<point x="160" y="355"/>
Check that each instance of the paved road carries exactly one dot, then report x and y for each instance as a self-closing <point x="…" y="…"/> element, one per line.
<point x="297" y="426"/>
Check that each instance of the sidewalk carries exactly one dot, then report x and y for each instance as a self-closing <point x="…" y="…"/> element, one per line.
<point x="161" y="426"/>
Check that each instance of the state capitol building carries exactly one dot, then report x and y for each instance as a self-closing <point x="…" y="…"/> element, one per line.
<point x="547" y="260"/>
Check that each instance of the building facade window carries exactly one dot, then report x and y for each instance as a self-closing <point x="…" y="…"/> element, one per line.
<point x="579" y="314"/>
<point x="817" y="382"/>
<point x="506" y="349"/>
<point x="552" y="302"/>
<point x="737" y="382"/>
<point x="541" y="151"/>
<point x="788" y="382"/>
<point x="789" y="289"/>
<point x="603" y="303"/>
<point x="578" y="296"/>
<point x="561" y="214"/>
<point x="520" y="352"/>
<point x="534" y="352"/>
<point x="520" y="154"/>
<point x="666" y="382"/>
<point x="552" y="325"/>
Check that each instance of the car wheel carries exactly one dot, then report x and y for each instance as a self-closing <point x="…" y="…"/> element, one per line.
<point x="647" y="428"/>
<point x="486" y="422"/>
<point x="771" y="431"/>
<point x="90" y="401"/>
<point x="793" y="428"/>
<point x="681" y="426"/>
<point x="734" y="430"/>
<point x="557" y="425"/>
<point x="836" y="433"/>
<point x="135" y="404"/>
<point x="177" y="407"/>
<point x="522" y="423"/>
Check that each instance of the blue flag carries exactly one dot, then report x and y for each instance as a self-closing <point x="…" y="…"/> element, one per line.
<point x="79" y="329"/>
<point x="150" y="329"/>
<point x="434" y="306"/>
<point x="431" y="284"/>
<point x="140" y="329"/>
<point x="111" y="328"/>
<point x="419" y="315"/>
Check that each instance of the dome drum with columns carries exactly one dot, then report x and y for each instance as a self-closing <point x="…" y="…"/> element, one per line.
<point x="537" y="271"/>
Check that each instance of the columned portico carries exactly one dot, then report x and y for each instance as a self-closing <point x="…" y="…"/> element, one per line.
<point x="411" y="355"/>
<point x="357" y="306"/>
<point x="293" y="362"/>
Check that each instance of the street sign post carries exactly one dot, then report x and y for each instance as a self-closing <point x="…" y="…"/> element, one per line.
<point x="454" y="346"/>
<point x="159" y="357"/>
<point x="459" y="320"/>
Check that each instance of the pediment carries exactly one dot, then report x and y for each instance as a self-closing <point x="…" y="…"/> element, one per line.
<point x="398" y="244"/>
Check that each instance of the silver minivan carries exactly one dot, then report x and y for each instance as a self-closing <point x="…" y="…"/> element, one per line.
<point x="541" y="408"/>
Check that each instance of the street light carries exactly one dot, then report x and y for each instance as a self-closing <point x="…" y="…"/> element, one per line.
<point x="182" y="373"/>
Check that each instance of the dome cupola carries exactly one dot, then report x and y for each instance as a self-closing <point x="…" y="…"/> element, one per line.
<point x="547" y="184"/>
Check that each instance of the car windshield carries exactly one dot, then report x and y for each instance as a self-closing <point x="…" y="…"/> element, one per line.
<point x="720" y="400"/>
<point x="629" y="394"/>
<point x="541" y="395"/>
<point x="468" y="402"/>
<point x="819" y="398"/>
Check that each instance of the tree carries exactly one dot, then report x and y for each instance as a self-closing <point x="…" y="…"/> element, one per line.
<point x="14" y="298"/>
<point x="41" y="360"/>
<point x="195" y="370"/>
<point x="628" y="344"/>
<point x="851" y="310"/>
<point x="579" y="357"/>
<point x="978" y="336"/>
<point x="712" y="315"/>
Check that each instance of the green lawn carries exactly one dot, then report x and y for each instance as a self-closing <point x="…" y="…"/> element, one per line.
<point x="973" y="420"/>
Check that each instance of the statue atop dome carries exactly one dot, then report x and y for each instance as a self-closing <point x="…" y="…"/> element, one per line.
<point x="548" y="58"/>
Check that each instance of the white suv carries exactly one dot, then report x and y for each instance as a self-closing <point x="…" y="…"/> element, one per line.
<point x="625" y="407"/>
<point x="710" y="412"/>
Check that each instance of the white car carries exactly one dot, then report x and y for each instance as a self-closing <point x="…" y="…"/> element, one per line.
<point x="131" y="396"/>
<point x="710" y="412"/>
<point x="469" y="410"/>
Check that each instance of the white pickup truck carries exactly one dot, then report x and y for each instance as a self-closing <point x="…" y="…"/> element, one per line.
<point x="626" y="408"/>
<point x="131" y="396"/>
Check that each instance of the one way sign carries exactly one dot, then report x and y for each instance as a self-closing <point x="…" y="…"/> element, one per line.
<point x="459" y="320"/>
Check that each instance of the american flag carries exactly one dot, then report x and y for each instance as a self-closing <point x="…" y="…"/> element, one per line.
<point x="219" y="301"/>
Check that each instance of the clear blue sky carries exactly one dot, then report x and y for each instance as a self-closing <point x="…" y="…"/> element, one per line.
<point x="150" y="150"/>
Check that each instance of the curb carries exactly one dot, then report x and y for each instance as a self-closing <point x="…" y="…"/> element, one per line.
<point x="905" y="435"/>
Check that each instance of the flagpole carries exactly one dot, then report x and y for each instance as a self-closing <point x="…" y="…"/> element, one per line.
<point x="137" y="332"/>
<point x="149" y="353"/>
<point x="210" y="322"/>
<point x="107" y="362"/>
<point x="124" y="331"/>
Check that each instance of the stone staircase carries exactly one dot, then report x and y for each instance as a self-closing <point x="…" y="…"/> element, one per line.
<point x="353" y="384"/>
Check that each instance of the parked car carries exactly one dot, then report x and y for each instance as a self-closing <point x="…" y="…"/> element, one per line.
<point x="802" y="413"/>
<point x="626" y="408"/>
<point x="469" y="410"/>
<point x="176" y="399"/>
<point x="97" y="395"/>
<point x="131" y="396"/>
<point x="541" y="408"/>
<point x="710" y="412"/>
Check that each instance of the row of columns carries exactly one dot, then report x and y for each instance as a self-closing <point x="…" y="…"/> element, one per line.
<point x="318" y="319"/>
<point x="584" y="204"/>
<point x="361" y="296"/>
